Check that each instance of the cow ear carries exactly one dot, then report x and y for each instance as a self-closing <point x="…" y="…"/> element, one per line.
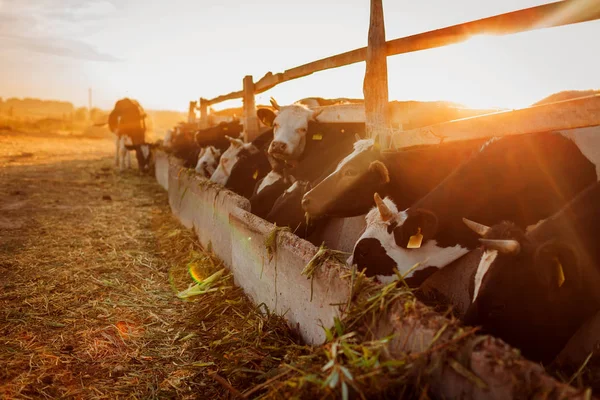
<point x="266" y="116"/>
<point x="558" y="263"/>
<point x="234" y="141"/>
<point x="379" y="168"/>
<point x="419" y="222"/>
<point x="274" y="103"/>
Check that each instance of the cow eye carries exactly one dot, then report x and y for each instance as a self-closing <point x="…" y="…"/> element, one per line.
<point x="301" y="130"/>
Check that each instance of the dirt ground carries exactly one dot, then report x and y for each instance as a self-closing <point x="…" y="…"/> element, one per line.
<point x="90" y="264"/>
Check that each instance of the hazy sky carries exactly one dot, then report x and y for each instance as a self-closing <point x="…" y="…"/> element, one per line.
<point x="165" y="53"/>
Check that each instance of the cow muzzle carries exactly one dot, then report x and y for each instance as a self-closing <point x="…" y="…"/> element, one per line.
<point x="278" y="149"/>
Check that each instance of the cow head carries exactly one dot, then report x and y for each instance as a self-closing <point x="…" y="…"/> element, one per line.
<point x="228" y="160"/>
<point x="401" y="240"/>
<point x="524" y="288"/>
<point x="208" y="160"/>
<point x="145" y="155"/>
<point x="290" y="126"/>
<point x="348" y="191"/>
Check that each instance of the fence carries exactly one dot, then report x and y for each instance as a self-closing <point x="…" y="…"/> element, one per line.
<point x="376" y="109"/>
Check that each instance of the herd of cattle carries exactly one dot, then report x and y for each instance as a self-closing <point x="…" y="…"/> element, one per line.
<point x="512" y="223"/>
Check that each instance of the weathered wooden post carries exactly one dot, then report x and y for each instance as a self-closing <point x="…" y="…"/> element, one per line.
<point x="249" y="118"/>
<point x="192" y="112"/>
<point x="375" y="86"/>
<point x="203" y="124"/>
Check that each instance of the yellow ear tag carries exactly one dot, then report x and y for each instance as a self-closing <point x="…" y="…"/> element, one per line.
<point x="317" y="136"/>
<point x="415" y="240"/>
<point x="255" y="175"/>
<point x="561" y="273"/>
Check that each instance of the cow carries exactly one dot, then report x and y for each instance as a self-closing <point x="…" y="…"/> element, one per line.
<point x="287" y="210"/>
<point x="522" y="178"/>
<point x="127" y="121"/>
<point x="182" y="145"/>
<point x="312" y="150"/>
<point x="215" y="136"/>
<point x="269" y="188"/>
<point x="208" y="159"/>
<point x="405" y="176"/>
<point x="535" y="288"/>
<point x="243" y="164"/>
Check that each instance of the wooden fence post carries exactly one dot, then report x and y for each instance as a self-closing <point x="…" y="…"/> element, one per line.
<point x="375" y="86"/>
<point x="203" y="124"/>
<point x="192" y="112"/>
<point x="249" y="118"/>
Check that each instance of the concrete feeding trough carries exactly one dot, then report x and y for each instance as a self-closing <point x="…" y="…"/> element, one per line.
<point x="222" y="221"/>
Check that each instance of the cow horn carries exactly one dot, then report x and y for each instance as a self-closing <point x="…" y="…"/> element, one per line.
<point x="480" y="229"/>
<point x="234" y="141"/>
<point x="274" y="104"/>
<point x="386" y="213"/>
<point x="503" y="246"/>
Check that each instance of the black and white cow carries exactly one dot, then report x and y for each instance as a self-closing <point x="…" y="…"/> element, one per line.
<point x="287" y="210"/>
<point x="208" y="160"/>
<point x="216" y="136"/>
<point x="269" y="188"/>
<point x="535" y="289"/>
<point x="244" y="164"/>
<point x="523" y="178"/>
<point x="311" y="149"/>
